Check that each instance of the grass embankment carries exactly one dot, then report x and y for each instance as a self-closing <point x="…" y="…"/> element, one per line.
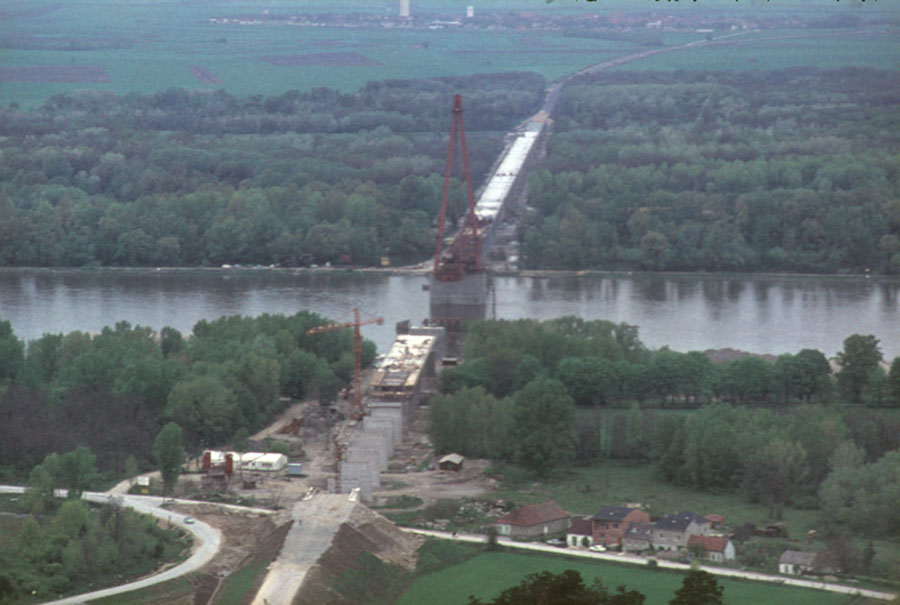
<point x="486" y="575"/>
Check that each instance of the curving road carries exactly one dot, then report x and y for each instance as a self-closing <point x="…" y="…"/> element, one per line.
<point x="206" y="545"/>
<point x="636" y="560"/>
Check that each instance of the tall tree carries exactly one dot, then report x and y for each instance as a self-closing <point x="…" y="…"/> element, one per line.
<point x="894" y="382"/>
<point x="78" y="471"/>
<point x="858" y="360"/>
<point x="543" y="422"/>
<point x="698" y="588"/>
<point x="169" y="453"/>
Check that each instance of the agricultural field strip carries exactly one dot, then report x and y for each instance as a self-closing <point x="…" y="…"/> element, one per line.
<point x="209" y="537"/>
<point x="635" y="560"/>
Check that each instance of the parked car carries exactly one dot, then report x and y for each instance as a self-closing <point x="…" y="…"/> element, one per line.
<point x="597" y="548"/>
<point x="556" y="542"/>
<point x="189" y="520"/>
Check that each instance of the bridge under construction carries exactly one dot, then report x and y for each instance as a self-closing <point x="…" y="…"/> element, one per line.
<point x="459" y="288"/>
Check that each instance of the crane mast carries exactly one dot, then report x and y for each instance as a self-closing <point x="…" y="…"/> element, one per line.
<point x="356" y="406"/>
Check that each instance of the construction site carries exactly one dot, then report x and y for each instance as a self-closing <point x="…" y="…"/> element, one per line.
<point x="370" y="446"/>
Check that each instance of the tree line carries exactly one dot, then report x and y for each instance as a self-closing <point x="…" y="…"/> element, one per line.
<point x="114" y="391"/>
<point x="568" y="588"/>
<point x="790" y="170"/>
<point x="545" y="395"/>
<point x="194" y="178"/>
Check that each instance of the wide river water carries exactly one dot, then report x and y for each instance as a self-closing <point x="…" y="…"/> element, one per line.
<point x="757" y="313"/>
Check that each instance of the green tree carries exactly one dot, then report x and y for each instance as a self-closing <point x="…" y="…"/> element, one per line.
<point x="205" y="407"/>
<point x="777" y="470"/>
<point x="78" y="471"/>
<point x="698" y="588"/>
<point x="543" y="422"/>
<point x="12" y="354"/>
<point x="169" y="453"/>
<point x="858" y="360"/>
<point x="40" y="493"/>
<point x="564" y="588"/>
<point x="894" y="382"/>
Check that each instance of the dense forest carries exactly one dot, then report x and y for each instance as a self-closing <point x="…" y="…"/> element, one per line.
<point x="794" y="170"/>
<point x="542" y="396"/>
<point x="114" y="391"/>
<point x="198" y="178"/>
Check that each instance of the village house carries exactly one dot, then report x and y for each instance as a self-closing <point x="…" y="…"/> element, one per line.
<point x="672" y="531"/>
<point x="638" y="537"/>
<point x="610" y="523"/>
<point x="796" y="562"/>
<point x="580" y="533"/>
<point x="714" y="548"/>
<point x="533" y="521"/>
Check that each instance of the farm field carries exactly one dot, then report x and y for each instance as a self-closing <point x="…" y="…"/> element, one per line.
<point x="488" y="574"/>
<point x="123" y="47"/>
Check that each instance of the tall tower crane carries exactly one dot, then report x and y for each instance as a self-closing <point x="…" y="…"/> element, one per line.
<point x="356" y="406"/>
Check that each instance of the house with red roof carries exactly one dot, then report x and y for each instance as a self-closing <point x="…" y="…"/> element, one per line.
<point x="580" y="533"/>
<point x="533" y="521"/>
<point x="610" y="523"/>
<point x="715" y="548"/>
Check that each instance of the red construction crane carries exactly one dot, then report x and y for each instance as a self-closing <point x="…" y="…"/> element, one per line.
<point x="464" y="254"/>
<point x="356" y="406"/>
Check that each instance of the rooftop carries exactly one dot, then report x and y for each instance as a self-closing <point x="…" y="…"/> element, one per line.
<point x="680" y="521"/>
<point x="639" y="531"/>
<point x="709" y="543"/>
<point x="581" y="527"/>
<point x="613" y="513"/>
<point x="797" y="557"/>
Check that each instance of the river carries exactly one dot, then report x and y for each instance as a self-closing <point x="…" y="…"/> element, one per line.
<point x="757" y="313"/>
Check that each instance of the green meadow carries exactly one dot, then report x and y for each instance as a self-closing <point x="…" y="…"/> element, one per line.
<point x="146" y="47"/>
<point x="486" y="575"/>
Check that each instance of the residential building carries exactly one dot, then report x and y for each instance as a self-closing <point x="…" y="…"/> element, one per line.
<point x="673" y="531"/>
<point x="610" y="523"/>
<point x="796" y="562"/>
<point x="715" y="548"/>
<point x="638" y="537"/>
<point x="580" y="532"/>
<point x="533" y="521"/>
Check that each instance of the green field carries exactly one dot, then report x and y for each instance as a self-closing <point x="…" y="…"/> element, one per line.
<point x="488" y="574"/>
<point x="147" y="47"/>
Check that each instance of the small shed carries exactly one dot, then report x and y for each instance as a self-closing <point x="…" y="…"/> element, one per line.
<point x="451" y="462"/>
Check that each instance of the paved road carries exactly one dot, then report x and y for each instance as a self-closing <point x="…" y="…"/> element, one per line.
<point x="206" y="545"/>
<point x="636" y="560"/>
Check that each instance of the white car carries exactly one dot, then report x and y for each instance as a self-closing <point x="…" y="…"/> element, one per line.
<point x="189" y="520"/>
<point x="597" y="548"/>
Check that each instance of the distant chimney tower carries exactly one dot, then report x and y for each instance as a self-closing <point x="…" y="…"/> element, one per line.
<point x="404" y="9"/>
<point x="470" y="12"/>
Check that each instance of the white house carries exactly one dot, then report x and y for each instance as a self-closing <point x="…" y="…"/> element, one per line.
<point x="796" y="562"/>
